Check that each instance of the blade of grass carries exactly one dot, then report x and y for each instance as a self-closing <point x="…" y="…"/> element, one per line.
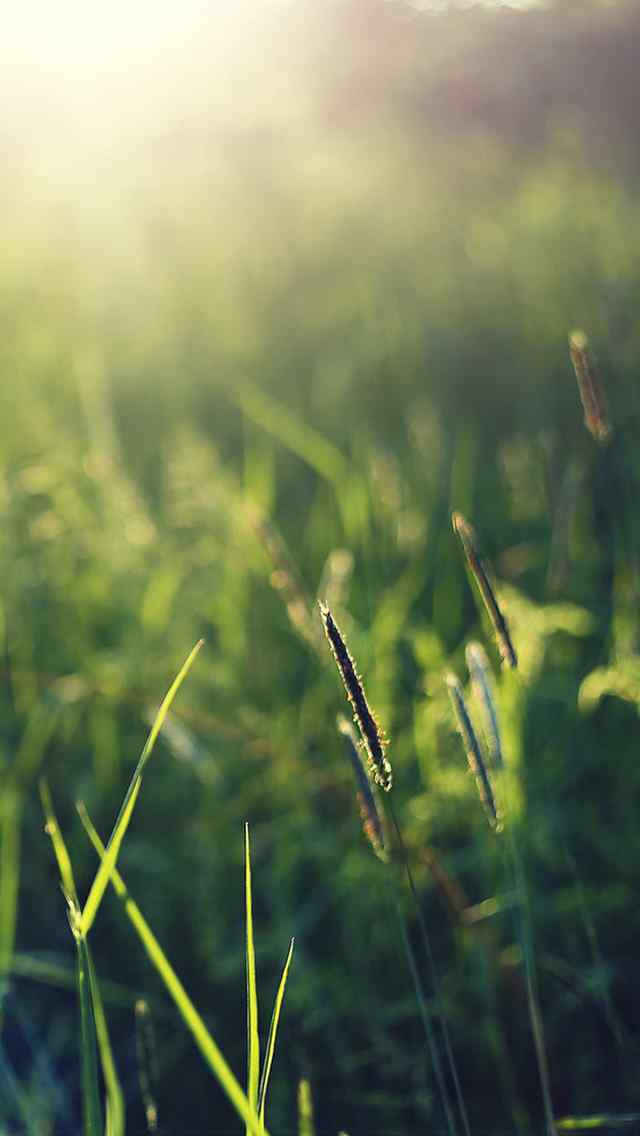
<point x="63" y="861"/>
<point x="92" y="1120"/>
<point x="115" y="1119"/>
<point x="433" y="976"/>
<point x="253" y="1040"/>
<point x="292" y="432"/>
<point x="107" y="865"/>
<point x="273" y="1032"/>
<point x="10" y="825"/>
<point x="185" y="1006"/>
<point x="90" y="1092"/>
<point x="35" y="738"/>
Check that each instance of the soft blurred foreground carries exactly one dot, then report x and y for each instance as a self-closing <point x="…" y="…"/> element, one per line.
<point x="278" y="292"/>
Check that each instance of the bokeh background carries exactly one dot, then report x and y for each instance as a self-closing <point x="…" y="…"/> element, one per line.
<point x="280" y="287"/>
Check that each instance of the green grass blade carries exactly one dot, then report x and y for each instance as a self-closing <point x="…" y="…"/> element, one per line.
<point x="115" y="1119"/>
<point x="253" y="1040"/>
<point x="59" y="847"/>
<point x="37" y="733"/>
<point x="303" y="440"/>
<point x="273" y="1032"/>
<point x="10" y="827"/>
<point x="185" y="1006"/>
<point x="90" y="1093"/>
<point x="107" y="865"/>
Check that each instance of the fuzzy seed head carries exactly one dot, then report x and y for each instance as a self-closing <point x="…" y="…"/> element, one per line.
<point x="480" y="573"/>
<point x="373" y="739"/>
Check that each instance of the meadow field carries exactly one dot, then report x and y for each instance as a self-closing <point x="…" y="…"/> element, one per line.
<point x="259" y="340"/>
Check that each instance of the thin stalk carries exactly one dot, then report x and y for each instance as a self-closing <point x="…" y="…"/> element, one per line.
<point x="433" y="976"/>
<point x="425" y="1017"/>
<point x="522" y="924"/>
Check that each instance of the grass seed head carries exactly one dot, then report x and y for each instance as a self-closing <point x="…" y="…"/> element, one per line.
<point x="482" y="683"/>
<point x="594" y="402"/>
<point x="370" y="809"/>
<point x="473" y="751"/>
<point x="480" y="574"/>
<point x="372" y="737"/>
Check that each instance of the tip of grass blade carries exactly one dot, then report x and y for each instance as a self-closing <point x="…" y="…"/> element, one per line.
<point x="101" y="878"/>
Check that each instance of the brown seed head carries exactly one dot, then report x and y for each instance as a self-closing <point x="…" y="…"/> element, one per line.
<point x="480" y="574"/>
<point x="594" y="402"/>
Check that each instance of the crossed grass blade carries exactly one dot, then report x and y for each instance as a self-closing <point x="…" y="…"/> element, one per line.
<point x="107" y="865"/>
<point x="192" y="1019"/>
<point x="93" y="1022"/>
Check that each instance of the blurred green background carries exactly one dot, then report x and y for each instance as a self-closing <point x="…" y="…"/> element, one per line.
<point x="282" y="286"/>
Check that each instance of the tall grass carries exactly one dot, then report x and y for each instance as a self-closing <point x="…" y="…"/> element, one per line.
<point x="137" y="509"/>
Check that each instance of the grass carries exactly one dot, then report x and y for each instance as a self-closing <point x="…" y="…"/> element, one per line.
<point x="420" y="367"/>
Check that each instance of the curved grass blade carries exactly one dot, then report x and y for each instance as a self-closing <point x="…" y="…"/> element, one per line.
<point x="185" y="1006"/>
<point x="273" y="1032"/>
<point x="107" y="865"/>
<point x="301" y="439"/>
<point x="253" y="1040"/>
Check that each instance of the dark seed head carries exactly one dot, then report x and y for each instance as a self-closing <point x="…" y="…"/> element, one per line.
<point x="372" y="736"/>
